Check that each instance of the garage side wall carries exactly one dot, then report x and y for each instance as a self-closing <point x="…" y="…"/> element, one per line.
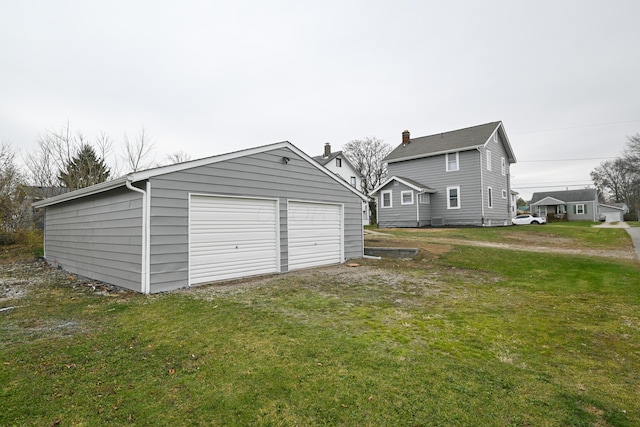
<point x="98" y="237"/>
<point x="263" y="175"/>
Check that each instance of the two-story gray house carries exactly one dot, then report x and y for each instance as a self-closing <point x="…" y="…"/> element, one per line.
<point x="455" y="178"/>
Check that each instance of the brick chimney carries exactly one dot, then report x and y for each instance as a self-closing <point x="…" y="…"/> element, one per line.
<point x="327" y="149"/>
<point x="405" y="138"/>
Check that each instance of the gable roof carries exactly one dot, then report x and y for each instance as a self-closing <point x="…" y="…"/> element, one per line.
<point x="582" y="195"/>
<point x="133" y="177"/>
<point x="324" y="160"/>
<point x="406" y="181"/>
<point x="449" y="142"/>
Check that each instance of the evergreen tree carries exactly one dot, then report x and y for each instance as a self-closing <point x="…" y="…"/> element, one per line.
<point x="84" y="169"/>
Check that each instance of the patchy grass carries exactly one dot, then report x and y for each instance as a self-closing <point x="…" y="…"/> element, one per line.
<point x="458" y="336"/>
<point x="557" y="235"/>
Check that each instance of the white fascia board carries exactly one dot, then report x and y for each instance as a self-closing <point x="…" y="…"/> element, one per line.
<point x="612" y="207"/>
<point x="421" y="156"/>
<point x="408" y="184"/>
<point x="549" y="201"/>
<point x="82" y="192"/>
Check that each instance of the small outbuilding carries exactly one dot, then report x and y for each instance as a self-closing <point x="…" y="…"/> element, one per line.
<point x="269" y="209"/>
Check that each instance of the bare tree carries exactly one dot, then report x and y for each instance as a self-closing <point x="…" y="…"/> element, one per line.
<point x="139" y="153"/>
<point x="177" y="157"/>
<point x="619" y="179"/>
<point x="15" y="203"/>
<point x="366" y="155"/>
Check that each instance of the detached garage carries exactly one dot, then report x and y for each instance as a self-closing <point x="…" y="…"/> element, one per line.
<point x="265" y="210"/>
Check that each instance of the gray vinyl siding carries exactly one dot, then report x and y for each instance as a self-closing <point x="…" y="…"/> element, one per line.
<point x="499" y="214"/>
<point x="431" y="171"/>
<point x="591" y="213"/>
<point x="98" y="237"/>
<point x="398" y="215"/>
<point x="259" y="175"/>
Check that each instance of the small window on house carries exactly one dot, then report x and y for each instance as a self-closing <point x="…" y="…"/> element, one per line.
<point x="353" y="181"/>
<point x="407" y="197"/>
<point x="338" y="162"/>
<point x="504" y="194"/>
<point x="424" y="198"/>
<point x="452" y="162"/>
<point x="503" y="166"/>
<point x="453" y="197"/>
<point x="488" y="160"/>
<point x="580" y="210"/>
<point x="490" y="197"/>
<point x="386" y="199"/>
<point x="561" y="209"/>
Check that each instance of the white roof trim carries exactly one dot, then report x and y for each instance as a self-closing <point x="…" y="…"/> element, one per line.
<point x="150" y="173"/>
<point x="612" y="207"/>
<point x="408" y="184"/>
<point x="549" y="201"/>
<point x="420" y="156"/>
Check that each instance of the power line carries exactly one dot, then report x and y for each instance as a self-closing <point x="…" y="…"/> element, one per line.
<point x="577" y="127"/>
<point x="566" y="160"/>
<point x="554" y="186"/>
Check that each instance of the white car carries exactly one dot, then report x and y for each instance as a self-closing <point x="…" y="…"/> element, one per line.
<point x="528" y="219"/>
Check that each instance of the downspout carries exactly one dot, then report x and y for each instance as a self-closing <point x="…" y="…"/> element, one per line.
<point x="481" y="186"/>
<point x="418" y="209"/>
<point x="144" y="265"/>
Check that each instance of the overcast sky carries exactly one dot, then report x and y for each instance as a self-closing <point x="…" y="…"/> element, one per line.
<point x="209" y="77"/>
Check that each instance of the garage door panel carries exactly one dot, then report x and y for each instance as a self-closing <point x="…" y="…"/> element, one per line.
<point x="232" y="237"/>
<point x="315" y="234"/>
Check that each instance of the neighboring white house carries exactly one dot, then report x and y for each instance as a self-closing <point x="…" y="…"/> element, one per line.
<point x="340" y="165"/>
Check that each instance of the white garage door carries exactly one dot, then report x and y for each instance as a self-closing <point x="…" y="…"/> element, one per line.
<point x="231" y="237"/>
<point x="315" y="234"/>
<point x="613" y="216"/>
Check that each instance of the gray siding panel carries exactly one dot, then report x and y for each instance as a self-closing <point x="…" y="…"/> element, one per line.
<point x="259" y="175"/>
<point x="98" y="237"/>
<point x="499" y="214"/>
<point x="432" y="172"/>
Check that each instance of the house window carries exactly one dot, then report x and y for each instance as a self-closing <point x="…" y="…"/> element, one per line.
<point x="338" y="162"/>
<point x="490" y="197"/>
<point x="580" y="209"/>
<point x="406" y="197"/>
<point x="542" y="211"/>
<point x="488" y="160"/>
<point x="386" y="199"/>
<point x="503" y="166"/>
<point x="452" y="162"/>
<point x="504" y="194"/>
<point x="453" y="197"/>
<point x="561" y="209"/>
<point x="424" y="198"/>
<point x="353" y="181"/>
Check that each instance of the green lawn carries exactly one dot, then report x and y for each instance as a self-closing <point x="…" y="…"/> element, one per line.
<point x="468" y="337"/>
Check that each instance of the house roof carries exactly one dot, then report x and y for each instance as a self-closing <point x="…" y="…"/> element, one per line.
<point x="582" y="195"/>
<point x="449" y="142"/>
<point x="150" y="173"/>
<point x="421" y="188"/>
<point x="324" y="160"/>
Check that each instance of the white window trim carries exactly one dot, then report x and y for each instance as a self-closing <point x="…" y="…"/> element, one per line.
<point x="402" y="194"/>
<point x="424" y="198"/>
<point x="490" y="197"/>
<point x="489" y="160"/>
<point x="382" y="193"/>
<point x="457" y="188"/>
<point x="580" y="207"/>
<point x="504" y="194"/>
<point x="338" y="162"/>
<point x="446" y="159"/>
<point x="503" y="166"/>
